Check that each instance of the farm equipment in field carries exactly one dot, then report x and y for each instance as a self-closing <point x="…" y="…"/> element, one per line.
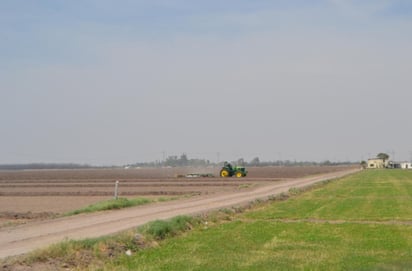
<point x="199" y="175"/>
<point x="228" y="171"/>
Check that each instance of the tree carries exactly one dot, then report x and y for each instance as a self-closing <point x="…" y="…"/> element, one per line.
<point x="326" y="163"/>
<point x="241" y="162"/>
<point x="383" y="156"/>
<point x="184" y="161"/>
<point x="255" y="162"/>
<point x="171" y="161"/>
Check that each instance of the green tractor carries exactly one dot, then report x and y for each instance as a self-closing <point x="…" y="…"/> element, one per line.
<point x="228" y="171"/>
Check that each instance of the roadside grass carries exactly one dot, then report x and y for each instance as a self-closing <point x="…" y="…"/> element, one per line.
<point x="88" y="254"/>
<point x="162" y="229"/>
<point x="110" y="205"/>
<point x="117" y="204"/>
<point x="361" y="222"/>
<point x="93" y="253"/>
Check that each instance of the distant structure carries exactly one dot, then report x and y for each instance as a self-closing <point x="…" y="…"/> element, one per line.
<point x="402" y="165"/>
<point x="377" y="163"/>
<point x="406" y="165"/>
<point x="383" y="163"/>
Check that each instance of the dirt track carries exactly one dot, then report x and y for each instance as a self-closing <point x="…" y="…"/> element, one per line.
<point x="24" y="238"/>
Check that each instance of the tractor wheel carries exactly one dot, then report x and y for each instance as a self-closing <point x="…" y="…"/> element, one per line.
<point x="224" y="173"/>
<point x="239" y="174"/>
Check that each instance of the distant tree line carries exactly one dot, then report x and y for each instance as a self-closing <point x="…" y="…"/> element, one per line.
<point x="175" y="161"/>
<point x="183" y="160"/>
<point x="255" y="162"/>
<point x="44" y="166"/>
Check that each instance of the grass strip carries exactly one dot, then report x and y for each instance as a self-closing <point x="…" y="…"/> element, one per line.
<point x="110" y="205"/>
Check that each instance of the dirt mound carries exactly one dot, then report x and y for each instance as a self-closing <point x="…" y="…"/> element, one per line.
<point x="26" y="215"/>
<point x="9" y="218"/>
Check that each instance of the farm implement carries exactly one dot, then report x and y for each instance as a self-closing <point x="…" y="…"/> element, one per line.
<point x="199" y="175"/>
<point x="226" y="171"/>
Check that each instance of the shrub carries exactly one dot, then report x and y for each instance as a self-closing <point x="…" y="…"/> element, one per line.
<point x="160" y="229"/>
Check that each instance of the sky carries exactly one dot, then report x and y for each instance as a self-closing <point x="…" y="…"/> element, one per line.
<point x="107" y="82"/>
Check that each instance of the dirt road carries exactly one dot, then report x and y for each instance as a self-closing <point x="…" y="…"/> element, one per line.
<point x="25" y="238"/>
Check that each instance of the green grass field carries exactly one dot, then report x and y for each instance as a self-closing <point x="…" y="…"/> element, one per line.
<point x="376" y="195"/>
<point x="357" y="223"/>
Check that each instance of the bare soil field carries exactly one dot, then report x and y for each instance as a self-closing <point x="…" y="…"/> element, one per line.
<point x="38" y="194"/>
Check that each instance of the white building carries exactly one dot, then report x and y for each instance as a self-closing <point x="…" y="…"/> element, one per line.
<point x="402" y="165"/>
<point x="406" y="165"/>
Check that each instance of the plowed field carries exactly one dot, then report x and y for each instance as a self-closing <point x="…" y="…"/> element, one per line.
<point x="41" y="193"/>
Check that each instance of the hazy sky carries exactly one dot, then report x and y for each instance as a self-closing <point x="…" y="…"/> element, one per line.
<point x="116" y="82"/>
